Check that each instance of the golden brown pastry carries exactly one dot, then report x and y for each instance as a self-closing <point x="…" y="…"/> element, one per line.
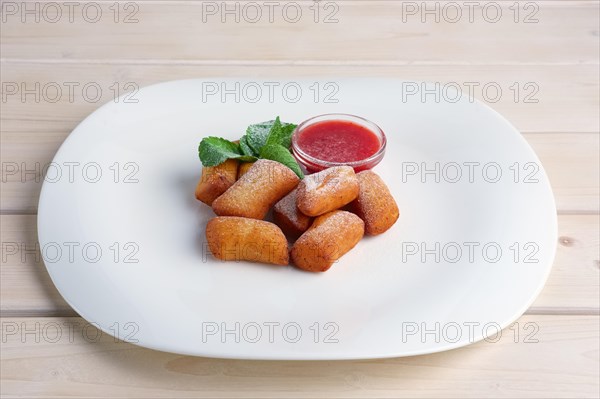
<point x="265" y="183"/>
<point x="244" y="167"/>
<point x="330" y="236"/>
<point x="215" y="180"/>
<point x="236" y="238"/>
<point x="327" y="190"/>
<point x="288" y="217"/>
<point x="374" y="204"/>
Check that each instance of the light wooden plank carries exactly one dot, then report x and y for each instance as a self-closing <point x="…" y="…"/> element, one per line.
<point x="570" y="159"/>
<point x="576" y="268"/>
<point x="563" y="363"/>
<point x="535" y="98"/>
<point x="572" y="163"/>
<point x="25" y="286"/>
<point x="573" y="285"/>
<point x="564" y="33"/>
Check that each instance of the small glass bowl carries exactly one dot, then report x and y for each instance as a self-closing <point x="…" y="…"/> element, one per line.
<point x="313" y="164"/>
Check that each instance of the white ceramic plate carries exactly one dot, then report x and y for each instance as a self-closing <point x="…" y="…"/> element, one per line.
<point x="127" y="251"/>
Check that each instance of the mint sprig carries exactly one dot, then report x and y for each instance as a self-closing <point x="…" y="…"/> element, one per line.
<point x="257" y="134"/>
<point x="273" y="132"/>
<point x="266" y="140"/>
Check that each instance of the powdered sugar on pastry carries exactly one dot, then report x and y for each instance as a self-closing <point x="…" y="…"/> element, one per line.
<point x="327" y="190"/>
<point x="265" y="183"/>
<point x="375" y="204"/>
<point x="330" y="236"/>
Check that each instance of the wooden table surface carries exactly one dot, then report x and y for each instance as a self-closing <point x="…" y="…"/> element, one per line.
<point x="544" y="55"/>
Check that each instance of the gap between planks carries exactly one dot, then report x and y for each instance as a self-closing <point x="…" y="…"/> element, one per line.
<point x="244" y="62"/>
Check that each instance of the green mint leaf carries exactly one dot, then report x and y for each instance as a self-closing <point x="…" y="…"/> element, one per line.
<point x="281" y="133"/>
<point x="277" y="152"/>
<point x="257" y="135"/>
<point x="287" y="130"/>
<point x="214" y="151"/>
<point x="245" y="147"/>
<point x="275" y="132"/>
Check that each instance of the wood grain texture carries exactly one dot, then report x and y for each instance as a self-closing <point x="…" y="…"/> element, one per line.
<point x="559" y="55"/>
<point x="570" y="160"/>
<point x="566" y="162"/>
<point x="573" y="285"/>
<point x="535" y="98"/>
<point x="187" y="31"/>
<point x="563" y="363"/>
<point x="25" y="286"/>
<point x="576" y="268"/>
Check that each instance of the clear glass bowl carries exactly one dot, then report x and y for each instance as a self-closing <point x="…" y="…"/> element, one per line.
<point x="313" y="164"/>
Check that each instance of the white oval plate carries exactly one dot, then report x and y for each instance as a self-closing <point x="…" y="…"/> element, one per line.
<point x="123" y="237"/>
